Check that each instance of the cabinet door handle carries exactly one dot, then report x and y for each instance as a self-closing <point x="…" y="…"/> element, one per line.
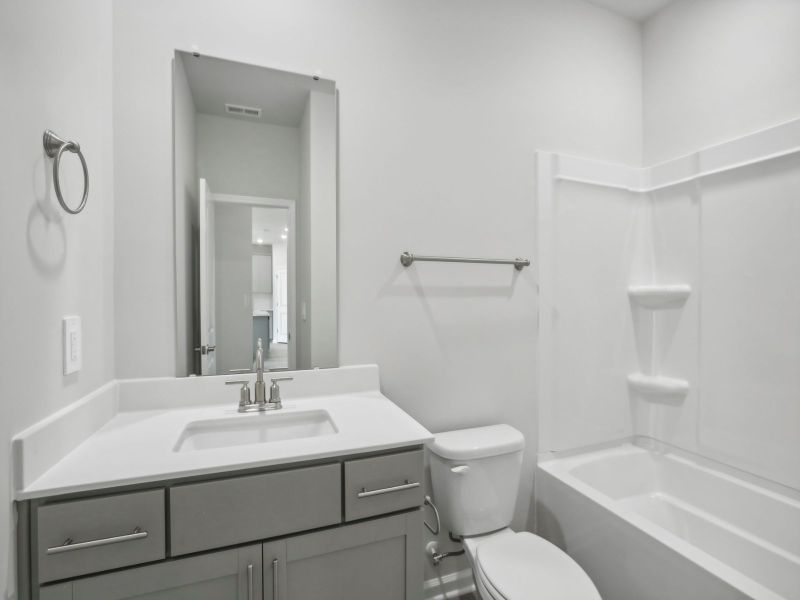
<point x="397" y="488"/>
<point x="69" y="545"/>
<point x="275" y="579"/>
<point x="249" y="582"/>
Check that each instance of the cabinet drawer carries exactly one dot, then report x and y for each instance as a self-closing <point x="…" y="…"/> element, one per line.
<point x="103" y="533"/>
<point x="382" y="484"/>
<point x="221" y="513"/>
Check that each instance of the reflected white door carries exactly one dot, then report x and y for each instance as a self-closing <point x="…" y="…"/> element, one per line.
<point x="208" y="342"/>
<point x="281" y="306"/>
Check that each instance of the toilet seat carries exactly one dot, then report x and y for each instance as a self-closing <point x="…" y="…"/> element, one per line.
<point x="524" y="566"/>
<point x="485" y="586"/>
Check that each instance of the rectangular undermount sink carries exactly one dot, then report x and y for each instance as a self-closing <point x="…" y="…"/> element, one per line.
<point x="255" y="428"/>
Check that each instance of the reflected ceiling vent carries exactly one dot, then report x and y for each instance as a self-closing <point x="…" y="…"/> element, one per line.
<point x="243" y="111"/>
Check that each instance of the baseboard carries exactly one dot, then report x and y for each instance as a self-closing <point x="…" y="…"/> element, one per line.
<point x="450" y="586"/>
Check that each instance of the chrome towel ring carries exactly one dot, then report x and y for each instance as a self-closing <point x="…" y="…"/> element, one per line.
<point x="54" y="146"/>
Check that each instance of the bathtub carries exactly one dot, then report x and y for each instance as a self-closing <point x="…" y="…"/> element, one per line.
<point x="658" y="524"/>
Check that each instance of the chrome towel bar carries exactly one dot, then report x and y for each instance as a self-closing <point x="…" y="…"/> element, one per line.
<point x="407" y="259"/>
<point x="69" y="545"/>
<point x="54" y="146"/>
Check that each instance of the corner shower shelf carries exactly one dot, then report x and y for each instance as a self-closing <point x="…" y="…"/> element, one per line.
<point x="658" y="385"/>
<point x="660" y="296"/>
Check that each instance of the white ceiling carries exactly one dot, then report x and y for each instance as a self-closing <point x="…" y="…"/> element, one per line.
<point x="638" y="10"/>
<point x="280" y="94"/>
<point x="269" y="224"/>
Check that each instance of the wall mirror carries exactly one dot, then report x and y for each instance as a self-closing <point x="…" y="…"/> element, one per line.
<point x="255" y="191"/>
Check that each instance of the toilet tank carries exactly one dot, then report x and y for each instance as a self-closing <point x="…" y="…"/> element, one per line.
<point x="475" y="475"/>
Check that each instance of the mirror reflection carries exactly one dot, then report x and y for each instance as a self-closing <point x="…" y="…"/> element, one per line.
<point x="255" y="217"/>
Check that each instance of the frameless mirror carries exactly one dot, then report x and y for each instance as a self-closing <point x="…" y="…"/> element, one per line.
<point x="255" y="167"/>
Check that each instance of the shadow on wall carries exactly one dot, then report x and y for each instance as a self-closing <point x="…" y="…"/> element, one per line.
<point x="48" y="252"/>
<point x="547" y="524"/>
<point x="393" y="288"/>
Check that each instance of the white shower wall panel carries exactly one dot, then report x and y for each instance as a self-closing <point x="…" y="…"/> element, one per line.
<point x="731" y="237"/>
<point x="674" y="234"/>
<point x="596" y="236"/>
<point x="734" y="238"/>
<point x="750" y="320"/>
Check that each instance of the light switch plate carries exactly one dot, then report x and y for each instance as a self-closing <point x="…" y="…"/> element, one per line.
<point x="73" y="351"/>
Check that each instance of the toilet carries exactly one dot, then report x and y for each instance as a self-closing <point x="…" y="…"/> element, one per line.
<point x="475" y="474"/>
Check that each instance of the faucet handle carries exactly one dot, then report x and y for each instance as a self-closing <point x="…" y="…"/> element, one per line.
<point x="244" y="393"/>
<point x="275" y="390"/>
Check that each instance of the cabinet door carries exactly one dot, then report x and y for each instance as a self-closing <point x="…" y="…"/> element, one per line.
<point x="227" y="575"/>
<point x="274" y="570"/>
<point x="381" y="558"/>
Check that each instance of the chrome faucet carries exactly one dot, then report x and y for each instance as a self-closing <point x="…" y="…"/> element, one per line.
<point x="245" y="403"/>
<point x="258" y="367"/>
<point x="260" y="403"/>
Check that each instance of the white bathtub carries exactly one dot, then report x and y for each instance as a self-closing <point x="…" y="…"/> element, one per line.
<point x="659" y="525"/>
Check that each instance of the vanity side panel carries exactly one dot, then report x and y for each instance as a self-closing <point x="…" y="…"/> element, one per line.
<point x="23" y="514"/>
<point x="215" y="514"/>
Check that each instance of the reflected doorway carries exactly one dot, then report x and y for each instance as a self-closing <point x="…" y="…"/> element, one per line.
<point x="247" y="281"/>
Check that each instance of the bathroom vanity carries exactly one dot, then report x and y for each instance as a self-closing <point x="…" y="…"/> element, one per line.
<point x="318" y="500"/>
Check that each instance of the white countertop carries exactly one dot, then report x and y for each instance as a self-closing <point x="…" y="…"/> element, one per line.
<point x="137" y="445"/>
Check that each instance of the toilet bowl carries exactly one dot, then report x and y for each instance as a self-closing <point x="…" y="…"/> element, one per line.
<point x="475" y="475"/>
<point x="515" y="566"/>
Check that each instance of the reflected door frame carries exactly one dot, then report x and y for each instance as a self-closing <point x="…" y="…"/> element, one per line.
<point x="291" y="255"/>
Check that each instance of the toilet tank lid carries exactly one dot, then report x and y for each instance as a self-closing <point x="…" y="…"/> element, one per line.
<point x="477" y="442"/>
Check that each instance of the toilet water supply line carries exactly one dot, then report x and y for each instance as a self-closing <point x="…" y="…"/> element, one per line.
<point x="432" y="547"/>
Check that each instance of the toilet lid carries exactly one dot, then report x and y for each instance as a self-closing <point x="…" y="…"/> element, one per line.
<point x="523" y="566"/>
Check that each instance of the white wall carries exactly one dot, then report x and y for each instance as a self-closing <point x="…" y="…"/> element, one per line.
<point x="53" y="264"/>
<point x="186" y="217"/>
<point x="442" y="106"/>
<point x="717" y="69"/>
<point x="248" y="158"/>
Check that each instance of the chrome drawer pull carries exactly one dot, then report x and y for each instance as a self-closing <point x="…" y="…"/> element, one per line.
<point x="397" y="488"/>
<point x="69" y="545"/>
<point x="275" y="579"/>
<point x="249" y="582"/>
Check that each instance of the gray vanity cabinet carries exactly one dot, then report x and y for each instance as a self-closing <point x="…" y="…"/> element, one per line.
<point x="364" y="561"/>
<point x="347" y="529"/>
<point x="225" y="575"/>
